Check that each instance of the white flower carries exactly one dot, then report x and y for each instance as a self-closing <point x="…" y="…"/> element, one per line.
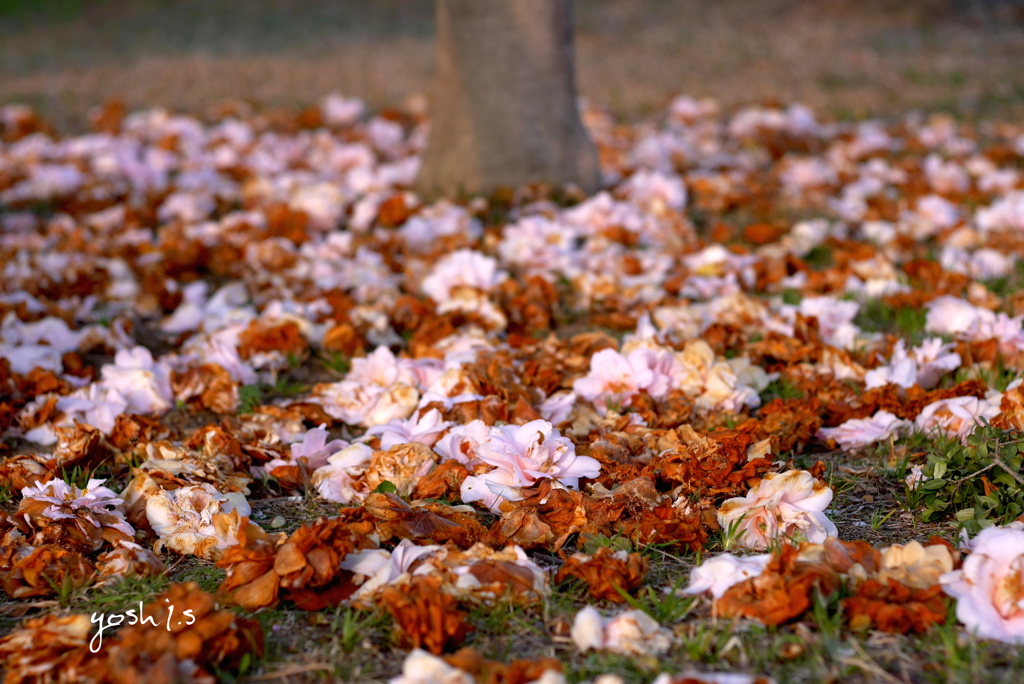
<point x="915" y="477"/>
<point x="378" y="388"/>
<point x="859" y="432"/>
<point x="717" y="574"/>
<point x="558" y="407"/>
<point x="633" y="633"/>
<point x="335" y="481"/>
<point x="783" y="505"/>
<point x="144" y="383"/>
<point x="953" y="316"/>
<point x="465" y="268"/>
<point x="463" y="442"/>
<point x="196" y="519"/>
<point x="382" y="567"/>
<point x="421" y="667"/>
<point x="989" y="588"/>
<point x="94" y="405"/>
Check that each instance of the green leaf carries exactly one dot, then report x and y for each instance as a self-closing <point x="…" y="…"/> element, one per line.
<point x="965" y="514"/>
<point x="940" y="469"/>
<point x="386" y="487"/>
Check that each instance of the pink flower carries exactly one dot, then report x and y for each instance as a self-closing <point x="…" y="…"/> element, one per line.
<point x="558" y="407"/>
<point x="423" y="428"/>
<point x="616" y="379"/>
<point x="989" y="588"/>
<point x="717" y="574"/>
<point x="957" y="417"/>
<point x="783" y="505"/>
<point x="859" y="432"/>
<point x="68" y="501"/>
<point x="314" y="449"/>
<point x="949" y="315"/>
<point x="521" y="455"/>
<point x="463" y="442"/>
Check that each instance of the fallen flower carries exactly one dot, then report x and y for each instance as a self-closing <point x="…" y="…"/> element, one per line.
<point x="989" y="588"/>
<point x="425" y="616"/>
<point x="894" y="607"/>
<point x="915" y="565"/>
<point x="85" y="518"/>
<point x="197" y="520"/>
<point x="633" y="633"/>
<point x="860" y="432"/>
<point x="53" y="648"/>
<point x="956" y="417"/>
<point x="782" y="592"/>
<point x="786" y="505"/>
<point x="607" y="573"/>
<point x="521" y="455"/>
<point x="420" y="667"/>
<point x="717" y="574"/>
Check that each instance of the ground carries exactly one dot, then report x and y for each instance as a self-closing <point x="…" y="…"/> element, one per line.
<point x="841" y="57"/>
<point x="846" y="59"/>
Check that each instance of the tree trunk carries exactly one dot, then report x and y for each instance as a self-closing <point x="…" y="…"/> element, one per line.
<point x="504" y="110"/>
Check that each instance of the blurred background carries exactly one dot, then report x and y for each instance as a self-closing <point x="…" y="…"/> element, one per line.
<point x="844" y="58"/>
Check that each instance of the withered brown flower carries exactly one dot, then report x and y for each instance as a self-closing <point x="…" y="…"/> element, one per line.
<point x="305" y="568"/>
<point x="895" y="607"/>
<point x="607" y="573"/>
<point x="432" y="523"/>
<point x="191" y="639"/>
<point x="782" y="592"/>
<point x="28" y="571"/>
<point x="52" y="650"/>
<point x="426" y="617"/>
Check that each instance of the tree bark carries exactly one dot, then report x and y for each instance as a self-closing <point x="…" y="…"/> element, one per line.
<point x="504" y="111"/>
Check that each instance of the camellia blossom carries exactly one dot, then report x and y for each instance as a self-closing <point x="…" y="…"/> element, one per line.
<point x="783" y="505"/>
<point x="915" y="565"/>
<point x="633" y="633"/>
<point x="616" y="379"/>
<point x="96" y="504"/>
<point x="989" y="588"/>
<point x="463" y="442"/>
<point x="196" y="519"/>
<point x="378" y="388"/>
<point x="382" y="567"/>
<point x="461" y="281"/>
<point x="717" y="574"/>
<point x="335" y="480"/>
<point x="424" y="428"/>
<point x="860" y="432"/>
<point x="144" y="383"/>
<point x="314" y="449"/>
<point x="923" y="365"/>
<point x="957" y="416"/>
<point x="521" y="455"/>
<point x="421" y="667"/>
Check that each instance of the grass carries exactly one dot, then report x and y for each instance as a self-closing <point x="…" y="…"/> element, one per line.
<point x="877" y="316"/>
